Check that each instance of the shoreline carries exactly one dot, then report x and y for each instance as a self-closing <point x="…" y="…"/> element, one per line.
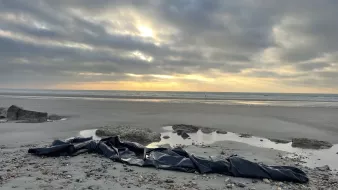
<point x="20" y="170"/>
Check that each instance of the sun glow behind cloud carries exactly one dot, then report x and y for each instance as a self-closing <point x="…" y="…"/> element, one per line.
<point x="170" y="45"/>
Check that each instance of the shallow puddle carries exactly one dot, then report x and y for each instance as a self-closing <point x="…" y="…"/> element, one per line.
<point x="311" y="158"/>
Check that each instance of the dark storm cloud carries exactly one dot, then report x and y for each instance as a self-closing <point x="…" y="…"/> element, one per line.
<point x="51" y="39"/>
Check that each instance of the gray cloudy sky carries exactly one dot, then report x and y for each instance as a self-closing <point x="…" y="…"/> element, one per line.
<point x="205" y="45"/>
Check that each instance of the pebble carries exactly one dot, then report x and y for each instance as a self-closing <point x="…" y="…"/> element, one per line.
<point x="230" y="185"/>
<point x="266" y="180"/>
<point x="239" y="184"/>
<point x="280" y="184"/>
<point x="69" y="176"/>
<point x="169" y="181"/>
<point x="78" y="180"/>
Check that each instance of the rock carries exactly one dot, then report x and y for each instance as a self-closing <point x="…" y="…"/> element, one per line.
<point x="229" y="186"/>
<point x="245" y="135"/>
<point x="239" y="184"/>
<point x="185" y="128"/>
<point x="207" y="130"/>
<point x="221" y="131"/>
<point x="126" y="133"/>
<point x="179" y="132"/>
<point x="280" y="141"/>
<point x="310" y="143"/>
<point x="12" y="112"/>
<point x="16" y="113"/>
<point x="267" y="181"/>
<point x="184" y="135"/>
<point x="3" y="113"/>
<point x="254" y="181"/>
<point x="166" y="137"/>
<point x="79" y="180"/>
<point x="169" y="181"/>
<point x="333" y="181"/>
<point x="54" y="117"/>
<point x="323" y="168"/>
<point x="261" y="140"/>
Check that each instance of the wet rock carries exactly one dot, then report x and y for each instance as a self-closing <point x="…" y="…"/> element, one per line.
<point x="230" y="185"/>
<point x="17" y="113"/>
<point x="169" y="181"/>
<point x="126" y="133"/>
<point x="166" y="137"/>
<point x="54" y="117"/>
<point x="207" y="130"/>
<point x="239" y="184"/>
<point x="185" y="128"/>
<point x="79" y="180"/>
<point x="323" y="168"/>
<point x="245" y="135"/>
<point x="310" y="143"/>
<point x="221" y="131"/>
<point x="280" y="141"/>
<point x="3" y="113"/>
<point x="184" y="135"/>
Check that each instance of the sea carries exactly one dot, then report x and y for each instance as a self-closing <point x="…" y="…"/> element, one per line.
<point x="223" y="98"/>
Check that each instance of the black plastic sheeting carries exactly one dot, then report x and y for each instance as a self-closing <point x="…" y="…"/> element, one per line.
<point x="170" y="159"/>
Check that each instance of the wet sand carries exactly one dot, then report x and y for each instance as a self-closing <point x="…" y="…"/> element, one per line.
<point x="19" y="170"/>
<point x="263" y="121"/>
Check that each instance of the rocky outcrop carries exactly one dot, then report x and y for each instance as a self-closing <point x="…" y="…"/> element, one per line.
<point x="3" y="113"/>
<point x="207" y="130"/>
<point x="280" y="141"/>
<point x="181" y="129"/>
<point x="185" y="128"/>
<point x="54" y="117"/>
<point x="221" y="131"/>
<point x="310" y="143"/>
<point x="245" y="135"/>
<point x="126" y="133"/>
<point x="17" y="113"/>
<point x="184" y="135"/>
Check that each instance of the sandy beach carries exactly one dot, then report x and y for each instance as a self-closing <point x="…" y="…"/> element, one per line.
<point x="264" y="121"/>
<point x="20" y="170"/>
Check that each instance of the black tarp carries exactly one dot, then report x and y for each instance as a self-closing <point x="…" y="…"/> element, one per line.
<point x="170" y="159"/>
